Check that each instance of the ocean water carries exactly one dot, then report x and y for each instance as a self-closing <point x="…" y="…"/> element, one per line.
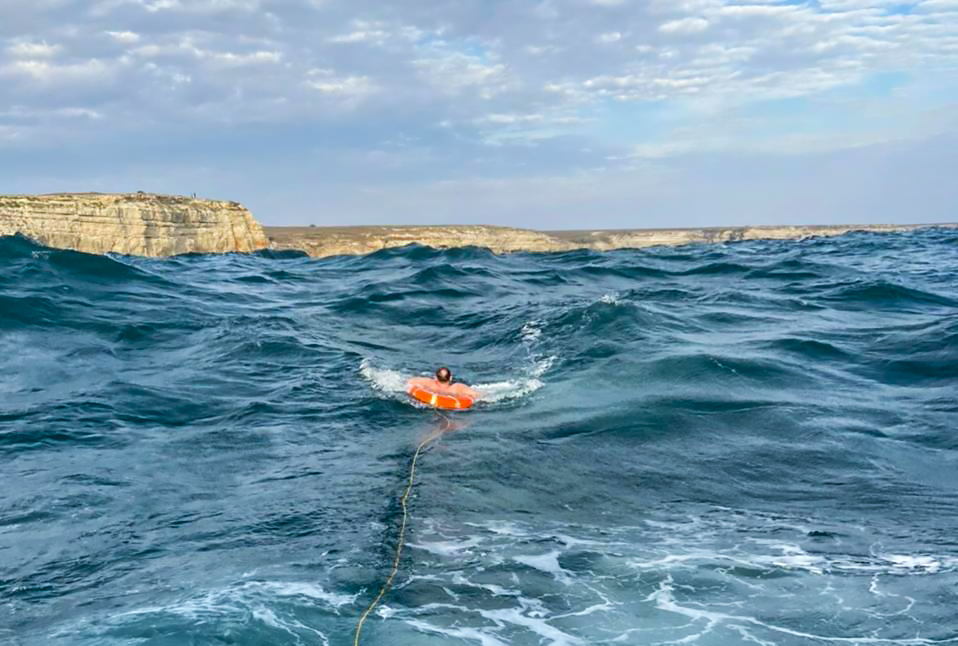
<point x="753" y="443"/>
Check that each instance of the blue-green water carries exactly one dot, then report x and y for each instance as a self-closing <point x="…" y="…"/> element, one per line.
<point x="746" y="444"/>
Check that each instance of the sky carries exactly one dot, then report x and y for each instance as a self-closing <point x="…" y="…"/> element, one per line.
<point x="550" y="114"/>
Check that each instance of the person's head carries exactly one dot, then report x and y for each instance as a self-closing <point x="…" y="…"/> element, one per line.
<point x="443" y="375"/>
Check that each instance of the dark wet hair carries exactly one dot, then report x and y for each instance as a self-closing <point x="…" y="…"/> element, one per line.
<point x="443" y="375"/>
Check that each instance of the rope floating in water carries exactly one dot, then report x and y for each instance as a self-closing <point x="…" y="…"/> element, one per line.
<point x="402" y="535"/>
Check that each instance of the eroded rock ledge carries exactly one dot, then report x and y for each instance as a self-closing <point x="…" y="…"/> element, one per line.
<point x="134" y="223"/>
<point x="331" y="241"/>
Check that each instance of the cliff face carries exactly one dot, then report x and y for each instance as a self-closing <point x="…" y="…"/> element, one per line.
<point x="158" y="225"/>
<point x="608" y="240"/>
<point x="334" y="241"/>
<point x="330" y="241"/>
<point x="140" y="224"/>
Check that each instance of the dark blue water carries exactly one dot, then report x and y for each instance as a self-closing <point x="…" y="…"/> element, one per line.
<point x="746" y="444"/>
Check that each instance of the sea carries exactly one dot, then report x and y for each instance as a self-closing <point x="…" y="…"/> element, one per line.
<point x="743" y="443"/>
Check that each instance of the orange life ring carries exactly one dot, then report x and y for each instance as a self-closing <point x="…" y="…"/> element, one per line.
<point x="440" y="400"/>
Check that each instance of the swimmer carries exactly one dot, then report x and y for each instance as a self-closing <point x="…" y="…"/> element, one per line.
<point x="442" y="383"/>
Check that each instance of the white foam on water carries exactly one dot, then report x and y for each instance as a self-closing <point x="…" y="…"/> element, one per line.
<point x="505" y="390"/>
<point x="471" y="634"/>
<point x="531" y="331"/>
<point x="530" y="613"/>
<point x="269" y="618"/>
<point x="235" y="599"/>
<point x="496" y="590"/>
<point x="929" y="564"/>
<point x="612" y="298"/>
<point x="542" y="366"/>
<point x="665" y="600"/>
<point x="551" y="635"/>
<point x="687" y="560"/>
<point x="503" y="527"/>
<point x="569" y="541"/>
<point x="393" y="383"/>
<point x="383" y="379"/>
<point x="754" y="573"/>
<point x="446" y="548"/>
<point x="311" y="590"/>
<point x="874" y="589"/>
<point x="691" y="580"/>
<point x="598" y="607"/>
<point x="548" y="563"/>
<point x="517" y="388"/>
<point x="792" y="557"/>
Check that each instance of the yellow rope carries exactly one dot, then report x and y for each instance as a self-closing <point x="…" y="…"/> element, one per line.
<point x="402" y="534"/>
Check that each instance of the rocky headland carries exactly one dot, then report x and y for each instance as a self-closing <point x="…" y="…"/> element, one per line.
<point x="161" y="225"/>
<point x="132" y="223"/>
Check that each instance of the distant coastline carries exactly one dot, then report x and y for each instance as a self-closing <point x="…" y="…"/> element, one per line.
<point x="163" y="225"/>
<point x="333" y="241"/>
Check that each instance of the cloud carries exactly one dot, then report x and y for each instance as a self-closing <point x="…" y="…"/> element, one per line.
<point x="691" y="25"/>
<point x="352" y="88"/>
<point x="479" y="90"/>
<point x="125" y="37"/>
<point x="609" y="37"/>
<point x="453" y="68"/>
<point x="32" y="50"/>
<point x="47" y="72"/>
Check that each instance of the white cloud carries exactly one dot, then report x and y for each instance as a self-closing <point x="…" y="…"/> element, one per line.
<point x="9" y="133"/>
<point x="125" y="37"/>
<point x="47" y="72"/>
<point x="351" y="88"/>
<point x="362" y="31"/>
<point x="608" y="72"/>
<point x="692" y="25"/>
<point x="22" y="113"/>
<point x="189" y="48"/>
<point x="33" y="50"/>
<point x="452" y="72"/>
<point x="238" y="60"/>
<point x="747" y="10"/>
<point x="609" y="37"/>
<point x="542" y="50"/>
<point x="939" y="5"/>
<point x="183" y="6"/>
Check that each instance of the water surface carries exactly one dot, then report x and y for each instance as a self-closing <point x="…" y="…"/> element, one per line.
<point x="752" y="443"/>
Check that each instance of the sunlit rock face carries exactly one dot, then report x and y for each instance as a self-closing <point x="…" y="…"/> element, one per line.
<point x="137" y="223"/>
<point x="331" y="241"/>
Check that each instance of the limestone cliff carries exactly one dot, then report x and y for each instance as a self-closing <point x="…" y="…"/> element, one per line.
<point x="330" y="241"/>
<point x="137" y="223"/>
<point x="630" y="239"/>
<point x="334" y="241"/>
<point x="157" y="225"/>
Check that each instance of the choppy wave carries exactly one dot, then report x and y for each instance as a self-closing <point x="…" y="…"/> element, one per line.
<point x="750" y="443"/>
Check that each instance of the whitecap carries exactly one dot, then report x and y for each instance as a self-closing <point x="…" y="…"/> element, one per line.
<point x="548" y="563"/>
<point x="537" y="625"/>
<point x="506" y="390"/>
<point x="445" y="548"/>
<point x="383" y="379"/>
<point x="531" y="331"/>
<point x="929" y="564"/>
<point x="472" y="634"/>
